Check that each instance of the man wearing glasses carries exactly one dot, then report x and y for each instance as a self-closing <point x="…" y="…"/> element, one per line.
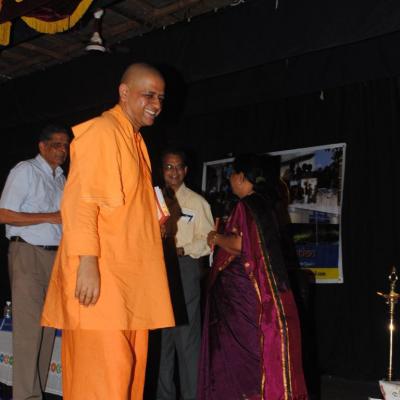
<point x="191" y="243"/>
<point x="29" y="206"/>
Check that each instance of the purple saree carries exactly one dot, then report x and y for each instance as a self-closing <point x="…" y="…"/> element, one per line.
<point x="251" y="347"/>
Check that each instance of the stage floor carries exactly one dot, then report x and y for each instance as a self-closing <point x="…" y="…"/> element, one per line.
<point x="332" y="388"/>
<point x="335" y="388"/>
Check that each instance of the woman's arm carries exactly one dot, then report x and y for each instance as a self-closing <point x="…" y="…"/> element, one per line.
<point x="231" y="243"/>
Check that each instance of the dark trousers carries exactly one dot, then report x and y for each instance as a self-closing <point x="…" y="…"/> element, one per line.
<point x="29" y="270"/>
<point x="184" y="340"/>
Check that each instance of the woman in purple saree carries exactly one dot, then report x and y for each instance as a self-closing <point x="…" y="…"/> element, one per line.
<point x="251" y="346"/>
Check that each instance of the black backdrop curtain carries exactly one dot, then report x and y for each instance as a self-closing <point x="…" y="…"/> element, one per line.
<point x="350" y="319"/>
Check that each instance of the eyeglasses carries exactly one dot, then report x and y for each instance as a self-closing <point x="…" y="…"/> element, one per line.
<point x="58" y="145"/>
<point x="171" y="167"/>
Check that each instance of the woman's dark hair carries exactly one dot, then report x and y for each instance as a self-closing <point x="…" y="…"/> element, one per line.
<point x="263" y="171"/>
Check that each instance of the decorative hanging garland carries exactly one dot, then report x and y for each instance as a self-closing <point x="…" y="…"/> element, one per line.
<point x="56" y="16"/>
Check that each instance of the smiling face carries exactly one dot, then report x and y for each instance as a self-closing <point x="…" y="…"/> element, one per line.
<point x="141" y="97"/>
<point x="174" y="171"/>
<point x="55" y="150"/>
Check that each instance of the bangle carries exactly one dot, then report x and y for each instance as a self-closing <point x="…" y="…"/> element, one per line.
<point x="214" y="238"/>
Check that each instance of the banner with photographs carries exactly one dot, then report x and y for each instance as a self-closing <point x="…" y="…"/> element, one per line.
<point x="314" y="178"/>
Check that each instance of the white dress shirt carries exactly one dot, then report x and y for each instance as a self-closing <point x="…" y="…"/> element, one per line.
<point x="32" y="188"/>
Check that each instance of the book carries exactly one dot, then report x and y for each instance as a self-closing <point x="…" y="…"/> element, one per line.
<point x="162" y="209"/>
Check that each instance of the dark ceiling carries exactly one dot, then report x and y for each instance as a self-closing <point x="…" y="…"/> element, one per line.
<point x="30" y="51"/>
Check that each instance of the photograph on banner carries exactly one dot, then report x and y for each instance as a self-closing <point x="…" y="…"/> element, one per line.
<point x="314" y="179"/>
<point x="216" y="187"/>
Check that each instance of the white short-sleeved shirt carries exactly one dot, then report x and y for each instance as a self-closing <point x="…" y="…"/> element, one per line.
<point x="32" y="188"/>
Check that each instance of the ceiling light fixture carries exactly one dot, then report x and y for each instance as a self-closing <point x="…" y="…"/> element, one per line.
<point x="96" y="41"/>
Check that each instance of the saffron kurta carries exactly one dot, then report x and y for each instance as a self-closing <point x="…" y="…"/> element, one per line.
<point x="108" y="210"/>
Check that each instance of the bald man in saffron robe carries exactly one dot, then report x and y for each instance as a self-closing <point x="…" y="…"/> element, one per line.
<point x="109" y="285"/>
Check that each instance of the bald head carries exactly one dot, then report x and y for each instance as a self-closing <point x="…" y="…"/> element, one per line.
<point x="136" y="72"/>
<point x="141" y="94"/>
